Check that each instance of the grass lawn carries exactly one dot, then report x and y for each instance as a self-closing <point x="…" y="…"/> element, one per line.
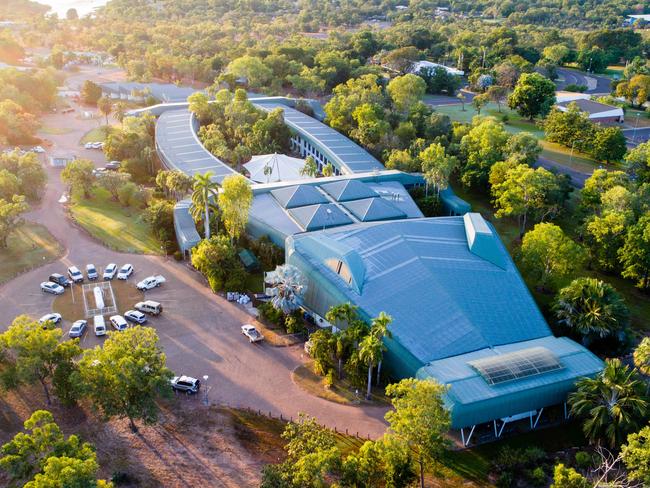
<point x="515" y="124"/>
<point x="340" y="392"/>
<point x="98" y="134"/>
<point x="118" y="228"/>
<point x="55" y="131"/>
<point x="29" y="246"/>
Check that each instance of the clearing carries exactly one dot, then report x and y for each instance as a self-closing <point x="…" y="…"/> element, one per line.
<point x="99" y="134"/>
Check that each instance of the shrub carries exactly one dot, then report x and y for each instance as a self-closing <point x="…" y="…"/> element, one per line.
<point x="293" y="323"/>
<point x="126" y="193"/>
<point x="537" y="476"/>
<point x="505" y="118"/>
<point x="572" y="87"/>
<point x="429" y="205"/>
<point x="583" y="460"/>
<point x="271" y="314"/>
<point x="329" y="379"/>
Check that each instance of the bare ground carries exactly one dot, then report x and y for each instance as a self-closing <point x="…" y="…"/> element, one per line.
<point x="192" y="446"/>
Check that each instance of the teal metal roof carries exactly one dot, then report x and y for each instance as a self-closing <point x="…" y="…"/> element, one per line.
<point x="483" y="240"/>
<point x="185" y="227"/>
<point x="317" y="217"/>
<point x="374" y="209"/>
<point x="346" y="190"/>
<point x="445" y="300"/>
<point x="452" y="203"/>
<point x="472" y="399"/>
<point x="298" y="196"/>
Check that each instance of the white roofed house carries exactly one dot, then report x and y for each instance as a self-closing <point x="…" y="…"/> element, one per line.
<point x="596" y="111"/>
<point x="421" y="65"/>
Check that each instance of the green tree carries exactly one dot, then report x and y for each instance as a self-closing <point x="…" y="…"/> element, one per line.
<point x="216" y="258"/>
<point x="9" y="184"/>
<point x="564" y="477"/>
<point x="597" y="184"/>
<point x="523" y="191"/>
<point x="160" y="217"/>
<point x="479" y="101"/>
<point x="437" y="166"/>
<point x="252" y="69"/>
<point x="523" y="148"/>
<point x="235" y="201"/>
<point x="350" y="95"/>
<point x="119" y="112"/>
<point x="78" y="175"/>
<point x="310" y="168"/>
<point x="328" y="170"/>
<point x="105" y="106"/>
<point x="33" y="352"/>
<point x="28" y="170"/>
<point x="113" y="181"/>
<point x="592" y="308"/>
<point x="636" y="456"/>
<point x="403" y="160"/>
<point x="634" y="256"/>
<point x="420" y="419"/>
<point x="204" y="199"/>
<point x="371" y="350"/>
<point x="10" y="217"/>
<point x="497" y="94"/>
<point x="571" y="128"/>
<point x="405" y="91"/>
<point x="549" y="256"/>
<point x="609" y="144"/>
<point x="481" y="147"/>
<point x="385" y="462"/>
<point x="126" y="376"/>
<point x="642" y="356"/>
<point x="533" y="96"/>
<point x="199" y="105"/>
<point x="91" y="92"/>
<point x="322" y="350"/>
<point x="611" y="405"/>
<point x="379" y="328"/>
<point x="637" y="162"/>
<point x="45" y="456"/>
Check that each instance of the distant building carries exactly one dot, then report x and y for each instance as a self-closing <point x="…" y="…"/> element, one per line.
<point x="631" y="19"/>
<point x="596" y="111"/>
<point x="420" y="65"/>
<point x="138" y="92"/>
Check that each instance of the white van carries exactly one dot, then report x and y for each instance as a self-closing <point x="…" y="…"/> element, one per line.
<point x="149" y="306"/>
<point x="100" y="325"/>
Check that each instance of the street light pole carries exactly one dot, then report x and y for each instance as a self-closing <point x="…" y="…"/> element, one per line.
<point x="205" y="390"/>
<point x="636" y="124"/>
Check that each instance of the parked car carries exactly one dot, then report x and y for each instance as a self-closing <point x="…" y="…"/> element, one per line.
<point x="53" y="288"/>
<point x="75" y="275"/>
<point x="150" y="282"/>
<point x="135" y="316"/>
<point x="99" y="325"/>
<point x="149" y="306"/>
<point x="99" y="172"/>
<point x="59" y="279"/>
<point x="109" y="271"/>
<point x="38" y="149"/>
<point x="124" y="272"/>
<point x="113" y="165"/>
<point x="88" y="145"/>
<point x="185" y="384"/>
<point x="91" y="272"/>
<point x="98" y="145"/>
<point x="252" y="333"/>
<point x="118" y="322"/>
<point x="55" y="318"/>
<point x="78" y="329"/>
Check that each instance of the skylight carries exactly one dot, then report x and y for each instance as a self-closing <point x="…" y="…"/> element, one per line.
<point x="516" y="365"/>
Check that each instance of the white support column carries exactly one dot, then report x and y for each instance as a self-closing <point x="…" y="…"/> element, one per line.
<point x="502" y="427"/>
<point x="538" y="416"/>
<point x="469" y="437"/>
<point x="530" y="415"/>
<point x="495" y="428"/>
<point x="566" y="414"/>
<point x="462" y="435"/>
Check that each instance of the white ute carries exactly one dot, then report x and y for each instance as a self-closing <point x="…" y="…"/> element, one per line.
<point x="150" y="282"/>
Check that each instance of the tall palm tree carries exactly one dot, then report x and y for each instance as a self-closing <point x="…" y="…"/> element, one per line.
<point x="204" y="199"/>
<point x="591" y="308"/>
<point x="287" y="287"/>
<point x="613" y="404"/>
<point x="371" y="350"/>
<point x="379" y="328"/>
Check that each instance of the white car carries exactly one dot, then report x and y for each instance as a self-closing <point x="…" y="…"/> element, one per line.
<point x="51" y="287"/>
<point x="150" y="282"/>
<point x="98" y="145"/>
<point x="38" y="149"/>
<point x="88" y="145"/>
<point x="100" y="325"/>
<point x="91" y="272"/>
<point x="119" y="323"/>
<point x="78" y="328"/>
<point x="109" y="271"/>
<point x="55" y="318"/>
<point x="135" y="316"/>
<point x="124" y="272"/>
<point x="252" y="333"/>
<point x="75" y="275"/>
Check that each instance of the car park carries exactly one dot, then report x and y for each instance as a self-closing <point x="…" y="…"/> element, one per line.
<point x="252" y="333"/>
<point x="55" y="318"/>
<point x="99" y="325"/>
<point x="186" y="384"/>
<point x="149" y="306"/>
<point x="124" y="272"/>
<point x="91" y="272"/>
<point x="135" y="316"/>
<point x="119" y="323"/>
<point x="59" y="279"/>
<point x="75" y="275"/>
<point x="53" y="288"/>
<point x="109" y="271"/>
<point x="78" y="329"/>
<point x="150" y="282"/>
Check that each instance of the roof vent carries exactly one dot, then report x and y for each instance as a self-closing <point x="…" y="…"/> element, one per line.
<point x="482" y="241"/>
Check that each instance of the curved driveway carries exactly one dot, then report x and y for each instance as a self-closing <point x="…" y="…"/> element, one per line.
<point x="199" y="330"/>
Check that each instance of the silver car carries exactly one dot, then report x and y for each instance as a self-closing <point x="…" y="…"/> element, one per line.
<point x="78" y="328"/>
<point x="51" y="287"/>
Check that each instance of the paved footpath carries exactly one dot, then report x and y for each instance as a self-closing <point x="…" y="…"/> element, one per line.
<point x="198" y="331"/>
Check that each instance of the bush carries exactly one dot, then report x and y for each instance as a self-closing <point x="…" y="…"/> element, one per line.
<point x="572" y="87"/>
<point x="126" y="193"/>
<point x="271" y="314"/>
<point x="430" y="205"/>
<point x="293" y="323"/>
<point x="583" y="460"/>
<point x="537" y="476"/>
<point x="504" y="480"/>
<point x="505" y="118"/>
<point x="329" y="379"/>
<point x="178" y="256"/>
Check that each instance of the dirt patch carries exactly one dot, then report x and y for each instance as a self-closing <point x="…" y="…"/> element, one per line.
<point x="192" y="445"/>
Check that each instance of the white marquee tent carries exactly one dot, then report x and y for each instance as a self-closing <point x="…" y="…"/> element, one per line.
<point x="269" y="168"/>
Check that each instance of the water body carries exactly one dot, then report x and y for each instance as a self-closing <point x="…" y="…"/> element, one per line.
<point x="83" y="7"/>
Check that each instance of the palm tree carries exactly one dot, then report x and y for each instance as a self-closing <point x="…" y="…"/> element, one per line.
<point x="204" y="197"/>
<point x="379" y="328"/>
<point x="371" y="350"/>
<point x="353" y="329"/>
<point x="642" y="356"/>
<point x="288" y="286"/>
<point x="613" y="404"/>
<point x="120" y="109"/>
<point x="591" y="308"/>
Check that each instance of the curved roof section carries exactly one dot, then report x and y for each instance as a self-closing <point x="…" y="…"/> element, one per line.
<point x="180" y="148"/>
<point x="444" y="299"/>
<point x="346" y="190"/>
<point x="185" y="227"/>
<point x="346" y="155"/>
<point x="374" y="209"/>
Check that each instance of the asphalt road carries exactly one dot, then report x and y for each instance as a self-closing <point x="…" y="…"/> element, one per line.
<point x="636" y="136"/>
<point x="595" y="83"/>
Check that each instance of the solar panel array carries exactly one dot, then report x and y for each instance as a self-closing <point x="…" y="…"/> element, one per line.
<point x="516" y="365"/>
